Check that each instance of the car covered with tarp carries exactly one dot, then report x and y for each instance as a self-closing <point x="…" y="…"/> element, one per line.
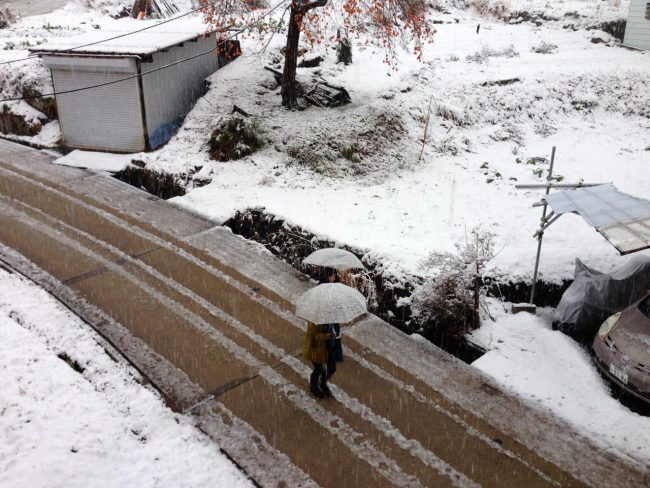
<point x="594" y="296"/>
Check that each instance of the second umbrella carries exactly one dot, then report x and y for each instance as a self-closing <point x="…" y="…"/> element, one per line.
<point x="333" y="257"/>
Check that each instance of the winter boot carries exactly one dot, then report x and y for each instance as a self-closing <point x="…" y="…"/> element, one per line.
<point x="313" y="385"/>
<point x="323" y="386"/>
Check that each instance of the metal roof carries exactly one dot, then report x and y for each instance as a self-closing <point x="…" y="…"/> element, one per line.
<point x="138" y="43"/>
<point x="622" y="219"/>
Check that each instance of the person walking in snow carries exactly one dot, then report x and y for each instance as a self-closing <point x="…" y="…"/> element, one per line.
<point x="335" y="353"/>
<point x="316" y="349"/>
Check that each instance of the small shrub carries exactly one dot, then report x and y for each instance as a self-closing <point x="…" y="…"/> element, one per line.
<point x="451" y="114"/>
<point x="447" y="145"/>
<point x="49" y="27"/>
<point x="585" y="101"/>
<point x="535" y="160"/>
<point x="486" y="53"/>
<point x="544" y="48"/>
<point x="234" y="139"/>
<point x="496" y="8"/>
<point x="349" y="152"/>
<point x="313" y="159"/>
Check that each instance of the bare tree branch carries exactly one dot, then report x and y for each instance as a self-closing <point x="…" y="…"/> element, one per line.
<point x="309" y="6"/>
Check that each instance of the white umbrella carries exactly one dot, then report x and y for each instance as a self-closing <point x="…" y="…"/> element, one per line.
<point x="331" y="303"/>
<point x="333" y="257"/>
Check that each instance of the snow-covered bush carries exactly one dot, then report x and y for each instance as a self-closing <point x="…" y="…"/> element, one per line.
<point x="26" y="117"/>
<point x="445" y="5"/>
<point x="495" y="8"/>
<point x="450" y="113"/>
<point x="453" y="295"/>
<point x="544" y="48"/>
<point x="365" y="143"/>
<point x="121" y="8"/>
<point x="486" y="53"/>
<point x="114" y="8"/>
<point x="233" y="139"/>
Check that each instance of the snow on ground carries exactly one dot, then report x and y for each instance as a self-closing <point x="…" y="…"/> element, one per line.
<point x="552" y="371"/>
<point x="587" y="100"/>
<point x="354" y="175"/>
<point x="100" y="427"/>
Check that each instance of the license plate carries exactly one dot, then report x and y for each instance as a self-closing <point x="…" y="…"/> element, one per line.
<point x="618" y="373"/>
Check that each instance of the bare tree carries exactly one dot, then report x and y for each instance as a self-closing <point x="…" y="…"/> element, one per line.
<point x="384" y="23"/>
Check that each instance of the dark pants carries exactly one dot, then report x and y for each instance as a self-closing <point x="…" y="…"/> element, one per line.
<point x="331" y="365"/>
<point x="318" y="376"/>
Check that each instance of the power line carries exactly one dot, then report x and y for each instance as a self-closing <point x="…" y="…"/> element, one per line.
<point x="208" y="4"/>
<point x="120" y="80"/>
<point x="222" y="41"/>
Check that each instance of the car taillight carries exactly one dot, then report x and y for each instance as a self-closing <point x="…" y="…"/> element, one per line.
<point x="608" y="325"/>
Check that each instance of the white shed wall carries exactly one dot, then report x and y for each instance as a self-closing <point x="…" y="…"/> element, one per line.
<point x="637" y="29"/>
<point x="107" y="118"/>
<point x="169" y="94"/>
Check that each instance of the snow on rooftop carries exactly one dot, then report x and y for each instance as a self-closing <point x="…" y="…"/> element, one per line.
<point x="138" y="43"/>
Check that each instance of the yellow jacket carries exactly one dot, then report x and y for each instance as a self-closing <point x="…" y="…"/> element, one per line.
<point x="317" y="343"/>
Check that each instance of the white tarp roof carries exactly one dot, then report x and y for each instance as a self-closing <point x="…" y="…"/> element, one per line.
<point x="139" y="43"/>
<point x="622" y="219"/>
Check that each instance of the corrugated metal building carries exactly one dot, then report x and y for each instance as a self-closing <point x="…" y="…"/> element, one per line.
<point x="139" y="113"/>
<point x="637" y="29"/>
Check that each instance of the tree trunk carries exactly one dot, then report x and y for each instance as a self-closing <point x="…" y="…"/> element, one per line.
<point x="289" y="85"/>
<point x="477" y="297"/>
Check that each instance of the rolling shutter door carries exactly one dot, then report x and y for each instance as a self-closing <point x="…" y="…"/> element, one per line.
<point x="107" y="118"/>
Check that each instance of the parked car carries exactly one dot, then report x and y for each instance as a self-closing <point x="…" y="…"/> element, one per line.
<point x="622" y="348"/>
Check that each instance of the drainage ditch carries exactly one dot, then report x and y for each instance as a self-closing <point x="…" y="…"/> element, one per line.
<point x="163" y="185"/>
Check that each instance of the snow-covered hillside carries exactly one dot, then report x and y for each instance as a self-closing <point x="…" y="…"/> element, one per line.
<point x="497" y="97"/>
<point x="500" y="100"/>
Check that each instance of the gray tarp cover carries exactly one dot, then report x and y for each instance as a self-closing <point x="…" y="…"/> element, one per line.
<point x="594" y="296"/>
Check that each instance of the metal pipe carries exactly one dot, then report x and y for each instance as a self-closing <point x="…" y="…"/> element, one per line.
<point x="536" y="186"/>
<point x="541" y="230"/>
<point x="546" y="226"/>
